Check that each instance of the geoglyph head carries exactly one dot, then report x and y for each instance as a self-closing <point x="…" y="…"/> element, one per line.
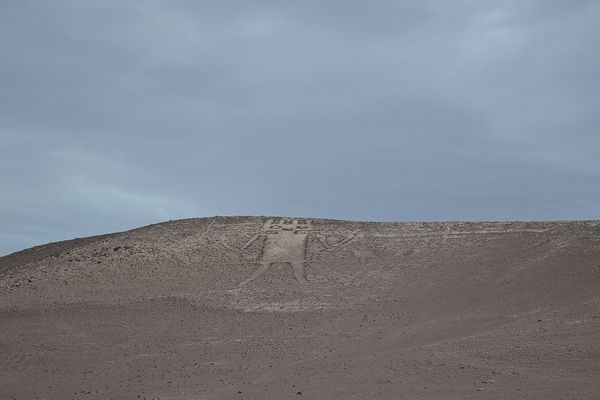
<point x="287" y="225"/>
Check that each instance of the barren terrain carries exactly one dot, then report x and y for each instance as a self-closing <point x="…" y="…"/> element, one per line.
<point x="278" y="308"/>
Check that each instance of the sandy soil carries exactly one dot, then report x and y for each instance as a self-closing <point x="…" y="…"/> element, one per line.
<point x="276" y="308"/>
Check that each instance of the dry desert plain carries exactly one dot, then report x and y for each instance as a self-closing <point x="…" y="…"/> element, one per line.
<point x="291" y="308"/>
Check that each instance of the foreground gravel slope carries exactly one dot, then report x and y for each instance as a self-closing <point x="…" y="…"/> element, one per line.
<point x="256" y="308"/>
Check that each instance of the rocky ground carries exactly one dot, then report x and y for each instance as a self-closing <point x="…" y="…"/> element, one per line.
<point x="277" y="308"/>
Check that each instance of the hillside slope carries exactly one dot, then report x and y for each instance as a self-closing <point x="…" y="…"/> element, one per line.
<point x="258" y="308"/>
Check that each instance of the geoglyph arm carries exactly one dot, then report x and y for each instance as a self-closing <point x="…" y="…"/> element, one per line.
<point x="328" y="247"/>
<point x="250" y="241"/>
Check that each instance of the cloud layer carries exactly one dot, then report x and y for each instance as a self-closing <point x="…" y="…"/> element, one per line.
<point x="117" y="114"/>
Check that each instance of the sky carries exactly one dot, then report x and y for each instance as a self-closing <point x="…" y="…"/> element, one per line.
<point x="118" y="114"/>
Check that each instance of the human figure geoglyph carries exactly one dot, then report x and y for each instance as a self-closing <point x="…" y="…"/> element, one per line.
<point x="285" y="241"/>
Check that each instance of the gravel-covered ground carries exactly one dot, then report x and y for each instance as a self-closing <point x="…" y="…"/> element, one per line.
<point x="277" y="308"/>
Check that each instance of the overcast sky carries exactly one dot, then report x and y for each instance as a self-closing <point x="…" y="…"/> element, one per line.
<point x="116" y="114"/>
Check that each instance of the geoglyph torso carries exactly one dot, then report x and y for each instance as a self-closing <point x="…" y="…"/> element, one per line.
<point x="285" y="246"/>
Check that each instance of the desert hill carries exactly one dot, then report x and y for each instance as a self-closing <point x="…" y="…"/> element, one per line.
<point x="271" y="307"/>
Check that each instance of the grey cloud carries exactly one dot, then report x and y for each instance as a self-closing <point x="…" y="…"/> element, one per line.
<point x="114" y="114"/>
